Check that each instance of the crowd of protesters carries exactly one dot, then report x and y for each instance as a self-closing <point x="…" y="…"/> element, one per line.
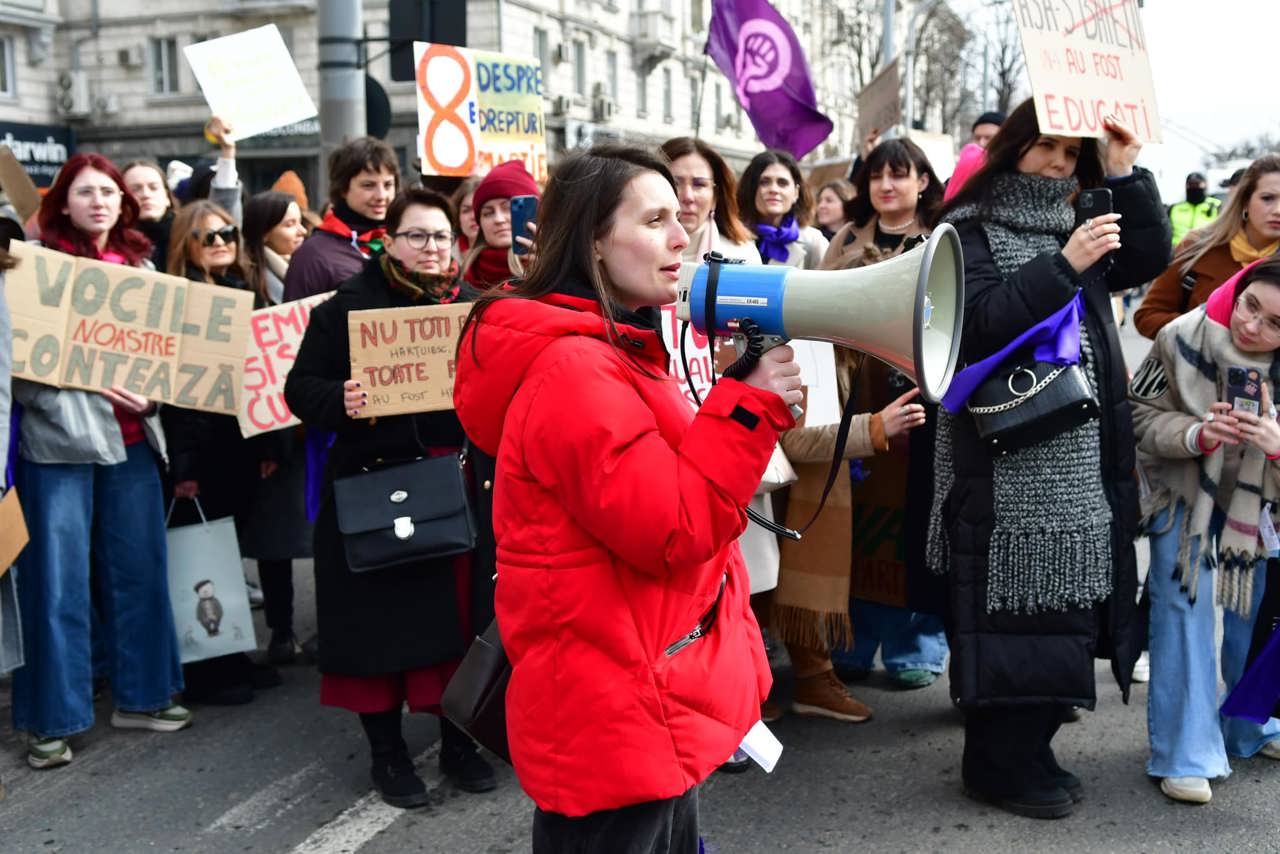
<point x="619" y="509"/>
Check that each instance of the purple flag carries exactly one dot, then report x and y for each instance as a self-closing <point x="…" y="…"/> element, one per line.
<point x="759" y="53"/>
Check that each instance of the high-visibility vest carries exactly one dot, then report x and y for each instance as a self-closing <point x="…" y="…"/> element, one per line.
<point x="1185" y="217"/>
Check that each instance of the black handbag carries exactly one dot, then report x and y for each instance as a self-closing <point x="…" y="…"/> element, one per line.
<point x="1026" y="402"/>
<point x="476" y="697"/>
<point x="404" y="513"/>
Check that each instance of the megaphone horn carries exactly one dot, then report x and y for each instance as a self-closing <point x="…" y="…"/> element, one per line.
<point x="907" y="311"/>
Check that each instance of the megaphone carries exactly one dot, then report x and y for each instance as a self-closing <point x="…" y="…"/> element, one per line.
<point x="906" y="311"/>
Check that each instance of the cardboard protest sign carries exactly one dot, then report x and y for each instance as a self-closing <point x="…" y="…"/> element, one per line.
<point x="696" y="350"/>
<point x="275" y="334"/>
<point x="17" y="185"/>
<point x="940" y="148"/>
<point x="1087" y="61"/>
<point x="404" y="357"/>
<point x="13" y="530"/>
<point x="250" y="81"/>
<point x="879" y="103"/>
<point x="80" y="323"/>
<point x="477" y="109"/>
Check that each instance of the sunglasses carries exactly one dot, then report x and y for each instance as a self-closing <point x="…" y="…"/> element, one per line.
<point x="228" y="234"/>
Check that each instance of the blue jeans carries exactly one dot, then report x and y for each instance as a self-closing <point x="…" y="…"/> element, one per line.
<point x="906" y="640"/>
<point x="1189" y="738"/>
<point x="112" y="515"/>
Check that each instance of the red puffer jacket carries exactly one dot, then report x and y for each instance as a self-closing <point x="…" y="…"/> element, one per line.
<point x="637" y="666"/>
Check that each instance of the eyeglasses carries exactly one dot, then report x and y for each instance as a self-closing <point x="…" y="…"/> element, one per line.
<point x="228" y="234"/>
<point x="1249" y="310"/>
<point x="698" y="185"/>
<point x="419" y="239"/>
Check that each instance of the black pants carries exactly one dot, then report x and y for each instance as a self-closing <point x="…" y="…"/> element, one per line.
<point x="1007" y="748"/>
<point x="668" y="826"/>
<point x="276" y="577"/>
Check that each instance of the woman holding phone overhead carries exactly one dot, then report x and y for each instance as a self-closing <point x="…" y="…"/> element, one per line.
<point x="1208" y="447"/>
<point x="1030" y="611"/>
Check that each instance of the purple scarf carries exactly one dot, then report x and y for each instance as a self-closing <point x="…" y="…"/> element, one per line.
<point x="1057" y="340"/>
<point x="773" y="241"/>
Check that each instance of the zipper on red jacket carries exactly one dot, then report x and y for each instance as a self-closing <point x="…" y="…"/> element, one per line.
<point x="704" y="625"/>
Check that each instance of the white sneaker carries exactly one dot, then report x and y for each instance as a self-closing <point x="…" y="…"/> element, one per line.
<point x="1191" y="790"/>
<point x="1271" y="750"/>
<point x="256" y="599"/>
<point x="1142" y="668"/>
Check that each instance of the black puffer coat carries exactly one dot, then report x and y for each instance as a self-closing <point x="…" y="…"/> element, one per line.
<point x="1048" y="657"/>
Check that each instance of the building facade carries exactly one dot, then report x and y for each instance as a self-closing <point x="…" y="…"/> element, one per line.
<point x="111" y="76"/>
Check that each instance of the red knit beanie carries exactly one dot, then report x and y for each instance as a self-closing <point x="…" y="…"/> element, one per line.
<point x="504" y="181"/>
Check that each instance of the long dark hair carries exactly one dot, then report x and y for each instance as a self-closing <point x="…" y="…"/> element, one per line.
<point x="56" y="229"/>
<point x="1014" y="139"/>
<point x="164" y="181"/>
<point x="900" y="155"/>
<point x="263" y="213"/>
<point x="577" y="209"/>
<point x="186" y="222"/>
<point x="802" y="209"/>
<point x="728" y="220"/>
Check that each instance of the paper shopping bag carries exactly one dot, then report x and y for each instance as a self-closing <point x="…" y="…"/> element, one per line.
<point x="206" y="586"/>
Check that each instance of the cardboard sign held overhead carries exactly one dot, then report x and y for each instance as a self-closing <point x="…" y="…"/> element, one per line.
<point x="477" y="109"/>
<point x="1087" y="61"/>
<point x="404" y="357"/>
<point x="275" y="334"/>
<point x="17" y="185"/>
<point x="80" y="323"/>
<point x="879" y="103"/>
<point x="250" y="81"/>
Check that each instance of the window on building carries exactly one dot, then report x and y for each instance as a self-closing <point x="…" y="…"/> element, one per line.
<point x="668" y="96"/>
<point x="8" y="87"/>
<point x="697" y="16"/>
<point x="542" y="44"/>
<point x="719" y="102"/>
<point x="164" y="66"/>
<point x="611" y="67"/>
<point x="642" y="94"/>
<point x="580" y="67"/>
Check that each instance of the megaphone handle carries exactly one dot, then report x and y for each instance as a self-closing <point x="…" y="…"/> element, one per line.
<point x="768" y="342"/>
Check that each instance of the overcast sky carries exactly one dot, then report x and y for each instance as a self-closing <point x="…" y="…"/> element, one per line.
<point x="1214" y="66"/>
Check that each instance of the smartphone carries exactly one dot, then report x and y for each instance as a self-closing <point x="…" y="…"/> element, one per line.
<point x="1091" y="204"/>
<point x="524" y="210"/>
<point x="1244" y="389"/>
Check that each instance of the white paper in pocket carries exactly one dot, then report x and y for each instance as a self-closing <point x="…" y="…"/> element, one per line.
<point x="761" y="745"/>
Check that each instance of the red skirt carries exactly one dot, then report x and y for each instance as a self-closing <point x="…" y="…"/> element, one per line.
<point x="421" y="688"/>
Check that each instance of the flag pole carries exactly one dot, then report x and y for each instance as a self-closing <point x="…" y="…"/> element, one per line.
<point x="702" y="93"/>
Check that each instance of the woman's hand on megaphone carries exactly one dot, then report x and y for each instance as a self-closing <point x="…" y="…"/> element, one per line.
<point x="778" y="372"/>
<point x="902" y="415"/>
<point x="1093" y="239"/>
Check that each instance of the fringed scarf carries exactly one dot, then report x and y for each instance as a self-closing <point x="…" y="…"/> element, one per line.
<point x="1201" y="349"/>
<point x="433" y="287"/>
<point x="1050" y="547"/>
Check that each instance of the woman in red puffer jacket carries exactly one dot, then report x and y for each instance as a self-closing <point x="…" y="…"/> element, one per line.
<point x="622" y="598"/>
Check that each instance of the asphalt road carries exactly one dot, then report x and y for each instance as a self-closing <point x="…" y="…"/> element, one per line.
<point x="286" y="775"/>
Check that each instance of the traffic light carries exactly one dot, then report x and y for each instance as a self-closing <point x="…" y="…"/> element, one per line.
<point x="439" y="21"/>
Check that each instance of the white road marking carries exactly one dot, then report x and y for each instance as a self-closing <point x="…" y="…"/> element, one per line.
<point x="348" y="831"/>
<point x="270" y="802"/>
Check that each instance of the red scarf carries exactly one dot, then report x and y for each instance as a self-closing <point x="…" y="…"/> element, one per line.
<point x="367" y="242"/>
<point x="489" y="268"/>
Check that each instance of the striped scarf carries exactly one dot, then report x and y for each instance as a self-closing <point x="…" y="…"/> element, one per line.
<point x="1202" y="349"/>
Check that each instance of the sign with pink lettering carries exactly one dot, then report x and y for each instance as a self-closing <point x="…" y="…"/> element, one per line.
<point x="1087" y="59"/>
<point x="275" y="334"/>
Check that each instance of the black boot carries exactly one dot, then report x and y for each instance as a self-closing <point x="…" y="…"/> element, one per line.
<point x="392" y="770"/>
<point x="461" y="761"/>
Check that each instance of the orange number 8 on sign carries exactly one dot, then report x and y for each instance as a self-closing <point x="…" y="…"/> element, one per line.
<point x="446" y="113"/>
